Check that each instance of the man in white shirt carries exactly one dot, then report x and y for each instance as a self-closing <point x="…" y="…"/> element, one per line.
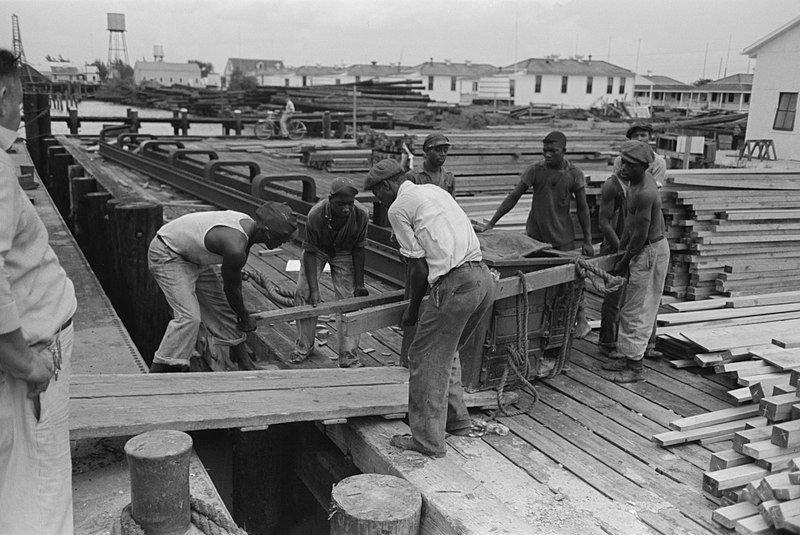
<point x="288" y="110"/>
<point x="642" y="131"/>
<point x="37" y="302"/>
<point x="443" y="253"/>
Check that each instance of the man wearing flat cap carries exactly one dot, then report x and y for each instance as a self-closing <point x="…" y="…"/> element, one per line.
<point x="643" y="131"/>
<point x="443" y="252"/>
<point x="182" y="257"/>
<point x="336" y="234"/>
<point x="645" y="262"/>
<point x="435" y="147"/>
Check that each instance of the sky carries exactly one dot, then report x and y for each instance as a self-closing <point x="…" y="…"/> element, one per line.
<point x="684" y="39"/>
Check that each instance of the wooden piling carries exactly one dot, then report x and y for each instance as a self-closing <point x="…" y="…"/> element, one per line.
<point x="135" y="224"/>
<point x="326" y="125"/>
<point x="79" y="187"/>
<point x="96" y="248"/>
<point x="375" y="504"/>
<point x="59" y="179"/>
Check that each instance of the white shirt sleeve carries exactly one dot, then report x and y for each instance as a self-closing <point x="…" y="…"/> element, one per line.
<point x="404" y="232"/>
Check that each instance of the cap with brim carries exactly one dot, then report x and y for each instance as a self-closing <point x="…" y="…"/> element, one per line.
<point x="383" y="170"/>
<point x="343" y="185"/>
<point x="636" y="152"/>
<point x="639" y="125"/>
<point x="435" y="140"/>
<point x="556" y="138"/>
<point x="278" y="218"/>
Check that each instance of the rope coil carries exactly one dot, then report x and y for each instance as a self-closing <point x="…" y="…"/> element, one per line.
<point x="205" y="517"/>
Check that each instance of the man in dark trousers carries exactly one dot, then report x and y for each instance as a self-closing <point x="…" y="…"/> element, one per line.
<point x="181" y="259"/>
<point x="645" y="261"/>
<point x="443" y="253"/>
<point x="336" y="234"/>
<point x="435" y="147"/>
<point x="554" y="181"/>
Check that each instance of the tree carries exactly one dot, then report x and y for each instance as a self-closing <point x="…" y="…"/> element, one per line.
<point x="239" y="81"/>
<point x="102" y="70"/>
<point x="701" y="82"/>
<point x="120" y="69"/>
<point x="205" y="67"/>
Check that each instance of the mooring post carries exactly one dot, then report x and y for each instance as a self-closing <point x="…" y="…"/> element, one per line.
<point x="184" y="122"/>
<point x="326" y="125"/>
<point x="79" y="186"/>
<point x="375" y="504"/>
<point x="72" y="121"/>
<point x="159" y="468"/>
<point x="237" y="118"/>
<point x="176" y="122"/>
<point x="95" y="247"/>
<point x="133" y="120"/>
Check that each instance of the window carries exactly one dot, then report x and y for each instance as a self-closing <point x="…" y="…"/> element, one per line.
<point x="452" y="83"/>
<point x="305" y="81"/>
<point x="787" y="107"/>
<point x="538" y="87"/>
<point x="430" y="83"/>
<point x="358" y="79"/>
<point x="714" y="97"/>
<point x="286" y="82"/>
<point x="610" y="85"/>
<point x="589" y="82"/>
<point x="731" y="97"/>
<point x="621" y="86"/>
<point x="474" y="87"/>
<point x="512" y="88"/>
<point x="564" y="82"/>
<point x="338" y="82"/>
<point x="747" y="98"/>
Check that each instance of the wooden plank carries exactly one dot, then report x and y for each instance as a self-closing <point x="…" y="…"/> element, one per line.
<point x="784" y="359"/>
<point x="740" y="336"/>
<point x="778" y="408"/>
<point x="714" y="417"/>
<point x="728" y="478"/>
<point x="786" y="434"/>
<point x="765" y="448"/>
<point x="140" y="406"/>
<point x="681" y="318"/>
<point x="344" y="305"/>
<point x="727" y="516"/>
<point x="671" y="438"/>
<point x="446" y="507"/>
<point x="753" y="525"/>
<point x="751" y="435"/>
<point x="727" y="459"/>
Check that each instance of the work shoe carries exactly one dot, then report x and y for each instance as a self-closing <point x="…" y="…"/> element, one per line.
<point x="350" y="362"/>
<point x="407" y="442"/>
<point x="605" y="350"/>
<point x="653" y="354"/>
<point x="632" y="374"/>
<point x="615" y="362"/>
<point x="298" y="357"/>
<point x="158" y="367"/>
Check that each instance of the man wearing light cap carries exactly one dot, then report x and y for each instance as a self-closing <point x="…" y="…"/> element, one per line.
<point x="181" y="259"/>
<point x="642" y="131"/>
<point x="443" y="252"/>
<point x="336" y="234"/>
<point x="645" y="261"/>
<point x="435" y="147"/>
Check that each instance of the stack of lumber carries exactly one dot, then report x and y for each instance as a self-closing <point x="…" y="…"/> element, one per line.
<point x="732" y="231"/>
<point x="340" y="159"/>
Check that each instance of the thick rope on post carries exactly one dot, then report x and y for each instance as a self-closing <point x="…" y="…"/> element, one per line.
<point x="611" y="283"/>
<point x="205" y="517"/>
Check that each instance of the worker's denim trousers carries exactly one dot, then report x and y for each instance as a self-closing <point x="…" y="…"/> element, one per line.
<point x="342" y="277"/>
<point x="35" y="464"/>
<point x="609" y="321"/>
<point x="648" y="270"/>
<point x="457" y="303"/>
<point x="195" y="294"/>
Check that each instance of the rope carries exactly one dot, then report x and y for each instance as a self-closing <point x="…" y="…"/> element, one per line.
<point x="611" y="283"/>
<point x="206" y="517"/>
<point x="275" y="293"/>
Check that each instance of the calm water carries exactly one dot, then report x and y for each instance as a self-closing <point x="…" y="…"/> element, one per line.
<point x="106" y="109"/>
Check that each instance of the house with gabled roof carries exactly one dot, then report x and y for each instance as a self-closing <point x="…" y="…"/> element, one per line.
<point x="573" y="82"/>
<point x="167" y="74"/>
<point x="662" y="91"/>
<point x="447" y="81"/>
<point x="731" y="93"/>
<point x="775" y="88"/>
<point x="248" y="66"/>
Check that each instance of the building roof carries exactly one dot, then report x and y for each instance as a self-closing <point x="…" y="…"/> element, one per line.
<point x="373" y="69"/>
<point x="734" y="82"/>
<point x="247" y="65"/>
<point x="657" y="82"/>
<point x="317" y="70"/>
<point x="165" y="66"/>
<point x="72" y="71"/>
<point x="752" y="50"/>
<point x="448" y="68"/>
<point x="564" y="67"/>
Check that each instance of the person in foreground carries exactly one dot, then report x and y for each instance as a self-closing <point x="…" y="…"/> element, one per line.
<point x="443" y="253"/>
<point x="646" y="260"/>
<point x="180" y="259"/>
<point x="37" y="302"/>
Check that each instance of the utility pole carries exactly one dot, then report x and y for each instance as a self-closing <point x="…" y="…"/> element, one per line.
<point x="608" y="57"/>
<point x="728" y="54"/>
<point x="705" y="60"/>
<point x="638" y="49"/>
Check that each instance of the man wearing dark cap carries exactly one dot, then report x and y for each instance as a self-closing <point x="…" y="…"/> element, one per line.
<point x="554" y="181"/>
<point x="336" y="234"/>
<point x="181" y="259"/>
<point x="435" y="147"/>
<point x="645" y="261"/>
<point x="443" y="252"/>
<point x="642" y="131"/>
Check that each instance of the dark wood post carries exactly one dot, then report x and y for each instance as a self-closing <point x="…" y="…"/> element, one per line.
<point x="326" y="125"/>
<point x="79" y="187"/>
<point x="340" y="125"/>
<point x="97" y="248"/>
<point x="375" y="504"/>
<point x="237" y="118"/>
<point x="73" y="122"/>
<point x="184" y="122"/>
<point x="176" y="122"/>
<point x="135" y="226"/>
<point x="133" y="120"/>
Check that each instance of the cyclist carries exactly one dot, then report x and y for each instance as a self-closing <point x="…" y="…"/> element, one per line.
<point x="285" y="116"/>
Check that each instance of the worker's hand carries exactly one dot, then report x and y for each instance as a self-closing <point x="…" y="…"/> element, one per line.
<point x="620" y="269"/>
<point x="587" y="249"/>
<point x="246" y="324"/>
<point x="313" y="298"/>
<point x="360" y="292"/>
<point x="38" y="378"/>
<point x="409" y="317"/>
<point x="483" y="228"/>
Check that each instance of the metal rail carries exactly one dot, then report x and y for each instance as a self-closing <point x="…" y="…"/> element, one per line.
<point x="242" y="192"/>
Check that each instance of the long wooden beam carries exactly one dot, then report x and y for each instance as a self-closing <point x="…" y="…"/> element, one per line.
<point x="345" y="305"/>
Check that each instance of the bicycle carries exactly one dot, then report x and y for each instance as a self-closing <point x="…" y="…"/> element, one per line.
<point x="269" y="127"/>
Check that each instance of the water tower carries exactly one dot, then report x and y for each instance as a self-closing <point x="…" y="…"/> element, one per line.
<point x="117" y="47"/>
<point x="158" y="53"/>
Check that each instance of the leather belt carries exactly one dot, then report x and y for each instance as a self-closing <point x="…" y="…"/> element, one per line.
<point x="65" y="324"/>
<point x="650" y="242"/>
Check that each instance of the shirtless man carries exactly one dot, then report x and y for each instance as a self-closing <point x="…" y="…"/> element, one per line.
<point x="645" y="261"/>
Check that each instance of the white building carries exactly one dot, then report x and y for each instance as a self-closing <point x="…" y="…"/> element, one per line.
<point x="445" y="81"/>
<point x="167" y="74"/>
<point x="574" y="82"/>
<point x="731" y="93"/>
<point x="248" y="67"/>
<point x="773" y="105"/>
<point x="309" y="75"/>
<point x="662" y="92"/>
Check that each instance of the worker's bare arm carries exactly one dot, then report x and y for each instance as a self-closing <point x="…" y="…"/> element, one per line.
<point x="359" y="258"/>
<point x="607" y="198"/>
<point x="418" y="286"/>
<point x="232" y="246"/>
<point x="585" y="221"/>
<point x="508" y="203"/>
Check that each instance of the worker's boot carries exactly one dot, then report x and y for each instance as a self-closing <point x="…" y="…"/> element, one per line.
<point x="615" y="362"/>
<point x="241" y="357"/>
<point x="633" y="373"/>
<point x="652" y="353"/>
<point x="158" y="367"/>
